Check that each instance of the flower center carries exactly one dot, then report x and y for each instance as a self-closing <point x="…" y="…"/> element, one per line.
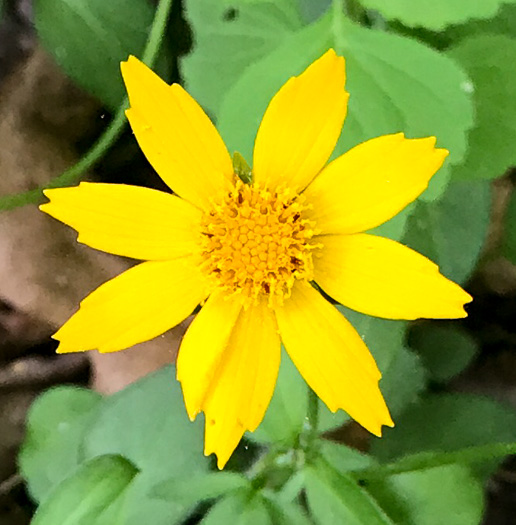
<point x="257" y="242"/>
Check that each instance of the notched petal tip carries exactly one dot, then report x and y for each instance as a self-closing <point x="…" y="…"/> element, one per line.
<point x="331" y="57"/>
<point x="131" y="60"/>
<point x="50" y="194"/>
<point x="389" y="422"/>
<point x="466" y="299"/>
<point x="124" y="67"/>
<point x="134" y="70"/>
<point x="222" y="457"/>
<point x="375" y="431"/>
<point x="54" y="193"/>
<point x="457" y="299"/>
<point x="192" y="412"/>
<point x="439" y="154"/>
<point x="51" y="208"/>
<point x="443" y="152"/>
<point x="386" y="422"/>
<point x="222" y="461"/>
<point x="64" y="349"/>
<point x="66" y="344"/>
<point x="332" y="66"/>
<point x="124" y="63"/>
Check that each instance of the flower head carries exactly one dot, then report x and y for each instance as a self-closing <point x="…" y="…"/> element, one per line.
<point x="257" y="242"/>
<point x="249" y="253"/>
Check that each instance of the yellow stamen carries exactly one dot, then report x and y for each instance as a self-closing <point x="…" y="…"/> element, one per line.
<point x="256" y="242"/>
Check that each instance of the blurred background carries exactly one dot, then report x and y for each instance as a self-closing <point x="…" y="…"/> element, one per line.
<point x="51" y="114"/>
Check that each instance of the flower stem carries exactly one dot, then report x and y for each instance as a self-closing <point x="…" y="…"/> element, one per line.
<point x="111" y="133"/>
<point x="426" y="460"/>
<point x="313" y="411"/>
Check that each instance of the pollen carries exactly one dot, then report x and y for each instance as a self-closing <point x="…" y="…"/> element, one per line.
<point x="258" y="242"/>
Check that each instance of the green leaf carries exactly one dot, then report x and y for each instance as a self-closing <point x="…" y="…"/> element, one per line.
<point x="501" y="24"/>
<point x="285" y="513"/>
<point x="395" y="84"/>
<point x="83" y="497"/>
<point x="57" y="422"/>
<point x="447" y="494"/>
<point x="447" y="422"/>
<point x="452" y="231"/>
<point x="255" y="513"/>
<point x="343" y="458"/>
<point x="436" y="14"/>
<point x="286" y="414"/>
<point x="313" y="9"/>
<point x="226" y="510"/>
<point x="147" y="423"/>
<point x="445" y="350"/>
<point x="336" y="498"/>
<point x="89" y="39"/>
<point x="433" y="459"/>
<point x="190" y="490"/>
<point x="403" y="381"/>
<point x="291" y="489"/>
<point x="509" y="240"/>
<point x="488" y="60"/>
<point x="239" y="509"/>
<point x="328" y="420"/>
<point x="228" y="37"/>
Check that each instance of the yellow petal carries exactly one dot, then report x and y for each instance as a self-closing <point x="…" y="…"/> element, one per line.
<point x="128" y="220"/>
<point x="203" y="347"/>
<point x="332" y="357"/>
<point x="135" y="306"/>
<point x="301" y="125"/>
<point x="228" y="365"/>
<point x="383" y="278"/>
<point x="176" y="136"/>
<point x="372" y="182"/>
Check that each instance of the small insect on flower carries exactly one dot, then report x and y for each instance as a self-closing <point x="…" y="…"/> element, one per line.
<point x="250" y="253"/>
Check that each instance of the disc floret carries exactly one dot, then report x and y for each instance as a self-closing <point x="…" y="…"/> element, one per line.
<point x="257" y="242"/>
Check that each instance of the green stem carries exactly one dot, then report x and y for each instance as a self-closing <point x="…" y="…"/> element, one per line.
<point x="313" y="411"/>
<point x="337" y="27"/>
<point x="157" y="32"/>
<point x="426" y="460"/>
<point x="112" y="132"/>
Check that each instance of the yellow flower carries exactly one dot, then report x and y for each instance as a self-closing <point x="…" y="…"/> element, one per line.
<point x="249" y="253"/>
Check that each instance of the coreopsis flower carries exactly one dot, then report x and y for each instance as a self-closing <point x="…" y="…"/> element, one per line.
<point x="255" y="255"/>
